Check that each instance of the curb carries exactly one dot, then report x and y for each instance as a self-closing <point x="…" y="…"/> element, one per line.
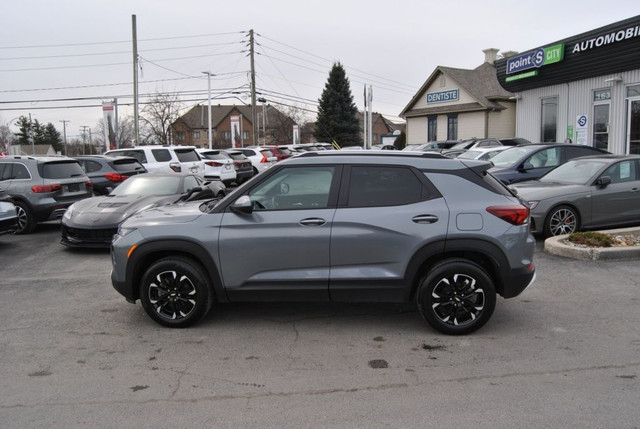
<point x="554" y="246"/>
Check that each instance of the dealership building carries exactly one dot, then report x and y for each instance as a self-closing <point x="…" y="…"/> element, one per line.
<point x="585" y="88"/>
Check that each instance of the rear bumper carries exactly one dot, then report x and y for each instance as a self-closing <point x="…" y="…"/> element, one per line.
<point x="518" y="281"/>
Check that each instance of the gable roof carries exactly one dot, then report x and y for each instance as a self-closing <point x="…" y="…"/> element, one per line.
<point x="481" y="83"/>
<point x="196" y="117"/>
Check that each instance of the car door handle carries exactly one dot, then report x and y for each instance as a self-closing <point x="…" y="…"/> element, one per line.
<point x="425" y="219"/>
<point x="313" y="221"/>
<point x="635" y="190"/>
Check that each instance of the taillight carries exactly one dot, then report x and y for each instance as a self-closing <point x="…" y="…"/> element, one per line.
<point x="213" y="164"/>
<point x="46" y="188"/>
<point x="515" y="215"/>
<point x="116" y="177"/>
<point x="264" y="158"/>
<point x="88" y="184"/>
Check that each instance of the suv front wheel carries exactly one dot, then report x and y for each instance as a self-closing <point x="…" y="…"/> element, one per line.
<point x="456" y="297"/>
<point x="175" y="292"/>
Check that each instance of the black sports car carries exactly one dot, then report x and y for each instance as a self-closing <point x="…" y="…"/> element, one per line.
<point x="92" y="222"/>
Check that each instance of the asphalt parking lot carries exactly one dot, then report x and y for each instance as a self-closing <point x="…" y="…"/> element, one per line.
<point x="565" y="353"/>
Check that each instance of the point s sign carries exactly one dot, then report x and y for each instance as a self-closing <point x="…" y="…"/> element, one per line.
<point x="536" y="59"/>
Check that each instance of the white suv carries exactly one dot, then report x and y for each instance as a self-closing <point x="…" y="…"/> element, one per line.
<point x="217" y="166"/>
<point x="164" y="159"/>
<point x="261" y="158"/>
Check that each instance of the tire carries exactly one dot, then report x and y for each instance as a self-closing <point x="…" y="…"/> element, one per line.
<point x="561" y="220"/>
<point x="175" y="292"/>
<point x="456" y="297"/>
<point x="26" y="222"/>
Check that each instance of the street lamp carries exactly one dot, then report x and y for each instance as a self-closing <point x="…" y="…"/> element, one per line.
<point x="210" y="136"/>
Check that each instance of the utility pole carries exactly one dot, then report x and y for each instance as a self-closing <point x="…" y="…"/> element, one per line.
<point x="254" y="111"/>
<point x="136" y="132"/>
<point x="84" y="136"/>
<point x="64" y="133"/>
<point x="209" y="135"/>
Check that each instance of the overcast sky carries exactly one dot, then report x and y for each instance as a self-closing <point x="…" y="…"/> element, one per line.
<point x="62" y="58"/>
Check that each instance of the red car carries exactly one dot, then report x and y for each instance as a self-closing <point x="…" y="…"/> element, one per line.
<point x="279" y="152"/>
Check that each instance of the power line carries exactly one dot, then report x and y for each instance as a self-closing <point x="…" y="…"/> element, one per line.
<point x="119" y="41"/>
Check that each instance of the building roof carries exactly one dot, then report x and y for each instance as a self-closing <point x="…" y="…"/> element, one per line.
<point x="196" y="117"/>
<point x="481" y="83"/>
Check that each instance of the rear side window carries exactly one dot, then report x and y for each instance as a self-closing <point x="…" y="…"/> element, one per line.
<point x="15" y="171"/>
<point x="188" y="155"/>
<point x="91" y="166"/>
<point x="161" y="155"/>
<point x="137" y="154"/>
<point x="61" y="170"/>
<point x="371" y="186"/>
<point x="574" y="152"/>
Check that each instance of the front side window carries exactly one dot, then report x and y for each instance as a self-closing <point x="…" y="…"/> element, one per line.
<point x="549" y="124"/>
<point x="190" y="182"/>
<point x="452" y="127"/>
<point x="621" y="172"/>
<point x="294" y="188"/>
<point x="371" y="186"/>
<point x="432" y="128"/>
<point x="545" y="158"/>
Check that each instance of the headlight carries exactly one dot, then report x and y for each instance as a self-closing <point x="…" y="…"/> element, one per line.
<point x="68" y="212"/>
<point x="532" y="204"/>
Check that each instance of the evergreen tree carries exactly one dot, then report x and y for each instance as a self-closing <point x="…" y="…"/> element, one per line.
<point x="32" y="130"/>
<point x="337" y="113"/>
<point x="51" y="136"/>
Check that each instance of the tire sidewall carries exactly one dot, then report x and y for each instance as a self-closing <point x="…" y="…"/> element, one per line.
<point x="195" y="273"/>
<point x="30" y="223"/>
<point x="447" y="268"/>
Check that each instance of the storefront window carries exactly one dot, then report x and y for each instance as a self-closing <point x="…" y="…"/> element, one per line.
<point x="452" y="127"/>
<point x="549" y="119"/>
<point x="633" y="119"/>
<point x="601" y="125"/>
<point x="432" y="128"/>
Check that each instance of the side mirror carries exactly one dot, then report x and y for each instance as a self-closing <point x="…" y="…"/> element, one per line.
<point x="190" y="193"/>
<point x="242" y="205"/>
<point x="526" y="166"/>
<point x="603" y="181"/>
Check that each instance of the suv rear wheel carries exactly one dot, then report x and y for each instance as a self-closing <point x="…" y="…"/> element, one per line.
<point x="456" y="297"/>
<point x="175" y="292"/>
<point x="26" y="223"/>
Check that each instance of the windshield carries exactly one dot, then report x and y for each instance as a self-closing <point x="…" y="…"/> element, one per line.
<point x="149" y="185"/>
<point x="463" y="144"/>
<point x="511" y="156"/>
<point x="577" y="172"/>
<point x="470" y="154"/>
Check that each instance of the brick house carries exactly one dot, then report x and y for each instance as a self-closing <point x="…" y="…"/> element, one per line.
<point x="192" y="127"/>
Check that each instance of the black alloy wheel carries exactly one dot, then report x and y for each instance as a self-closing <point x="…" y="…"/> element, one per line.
<point x="175" y="292"/>
<point x="456" y="297"/>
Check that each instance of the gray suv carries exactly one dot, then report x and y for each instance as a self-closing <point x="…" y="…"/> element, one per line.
<point x="336" y="226"/>
<point x="42" y="187"/>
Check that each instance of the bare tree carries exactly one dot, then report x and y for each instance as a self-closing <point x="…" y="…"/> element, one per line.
<point x="124" y="133"/>
<point x="158" y="115"/>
